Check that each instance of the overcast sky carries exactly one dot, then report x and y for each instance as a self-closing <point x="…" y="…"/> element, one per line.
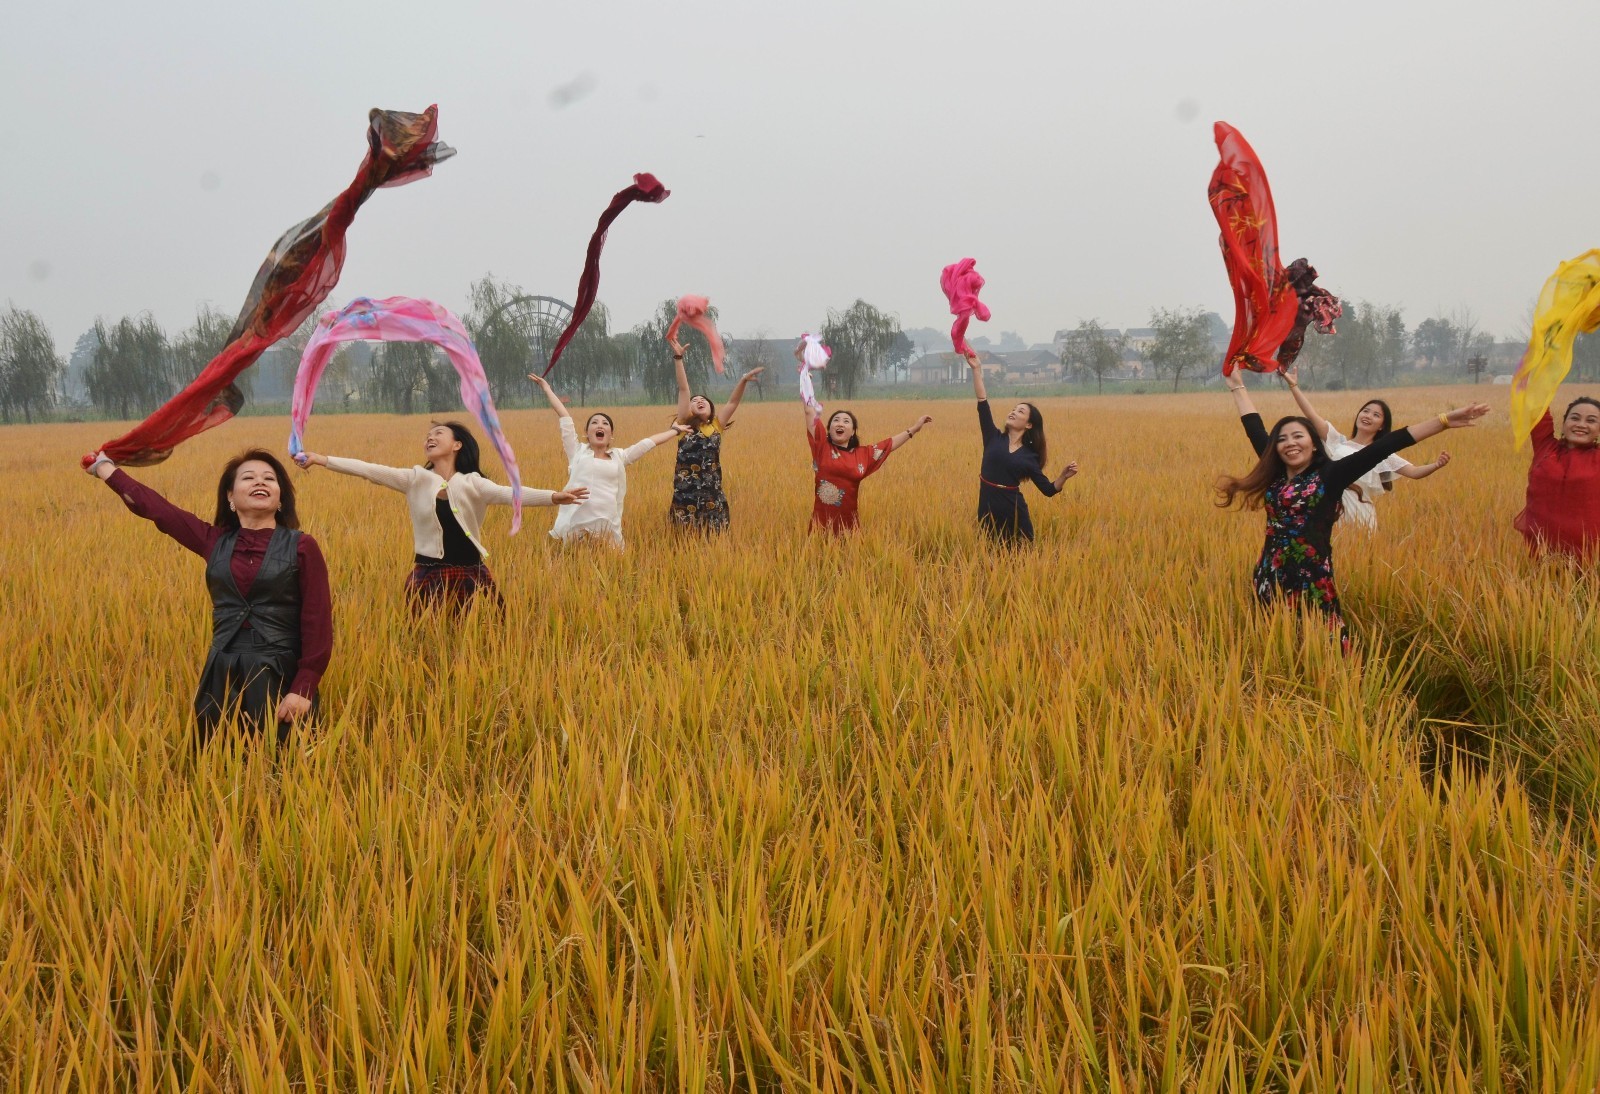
<point x="1423" y="154"/>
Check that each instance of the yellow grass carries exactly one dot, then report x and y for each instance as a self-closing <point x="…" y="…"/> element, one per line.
<point x="777" y="812"/>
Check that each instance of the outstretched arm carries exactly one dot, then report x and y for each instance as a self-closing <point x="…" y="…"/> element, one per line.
<point x="906" y="434"/>
<point x="1339" y="474"/>
<point x="1292" y="378"/>
<point x="725" y="415"/>
<point x="975" y="367"/>
<point x="683" y="378"/>
<point x="1247" y="412"/>
<point x="811" y="411"/>
<point x="550" y="395"/>
<point x="1422" y="470"/>
<point x="639" y="448"/>
<point x="190" y="531"/>
<point x="395" y="478"/>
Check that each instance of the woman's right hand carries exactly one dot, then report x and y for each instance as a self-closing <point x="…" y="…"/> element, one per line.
<point x="306" y="459"/>
<point x="539" y="380"/>
<point x="1234" y="381"/>
<point x="101" y="467"/>
<point x="972" y="360"/>
<point x="576" y="496"/>
<point x="677" y="346"/>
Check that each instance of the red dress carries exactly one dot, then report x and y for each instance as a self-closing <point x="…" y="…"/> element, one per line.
<point x="839" y="474"/>
<point x="1563" y="508"/>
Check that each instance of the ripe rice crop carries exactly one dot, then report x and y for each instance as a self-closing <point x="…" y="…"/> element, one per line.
<point x="771" y="811"/>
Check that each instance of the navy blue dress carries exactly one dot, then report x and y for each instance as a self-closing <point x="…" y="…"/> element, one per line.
<point x="1002" y="512"/>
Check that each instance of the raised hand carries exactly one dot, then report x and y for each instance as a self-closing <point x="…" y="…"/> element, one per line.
<point x="751" y="375"/>
<point x="1464" y="416"/>
<point x="916" y="427"/>
<point x="677" y="347"/>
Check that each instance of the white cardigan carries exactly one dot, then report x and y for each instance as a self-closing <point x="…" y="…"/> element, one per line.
<point x="469" y="495"/>
<point x="607" y="481"/>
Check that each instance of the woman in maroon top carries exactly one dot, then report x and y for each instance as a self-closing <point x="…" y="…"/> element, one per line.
<point x="272" y="623"/>
<point x="1562" y="513"/>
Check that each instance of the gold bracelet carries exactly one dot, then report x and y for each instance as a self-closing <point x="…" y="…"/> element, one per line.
<point x="1444" y="420"/>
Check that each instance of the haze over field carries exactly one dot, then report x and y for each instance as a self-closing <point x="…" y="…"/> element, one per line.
<point x="817" y="153"/>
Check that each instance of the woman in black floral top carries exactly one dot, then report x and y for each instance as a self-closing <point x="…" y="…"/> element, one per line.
<point x="698" y="501"/>
<point x="1300" y="488"/>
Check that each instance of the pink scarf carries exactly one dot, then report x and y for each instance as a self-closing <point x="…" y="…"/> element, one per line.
<point x="402" y="319"/>
<point x="692" y="310"/>
<point x="645" y="188"/>
<point x="961" y="283"/>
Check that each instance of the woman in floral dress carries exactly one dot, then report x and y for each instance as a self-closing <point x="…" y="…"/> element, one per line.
<point x="698" y="501"/>
<point x="1300" y="487"/>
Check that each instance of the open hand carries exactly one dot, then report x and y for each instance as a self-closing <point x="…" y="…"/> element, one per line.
<point x="540" y="380"/>
<point x="751" y="375"/>
<point x="292" y="707"/>
<point x="681" y="427"/>
<point x="1463" y="416"/>
<point x="677" y="346"/>
<point x="576" y="496"/>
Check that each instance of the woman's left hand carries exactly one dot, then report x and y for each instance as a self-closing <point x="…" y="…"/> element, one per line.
<point x="1463" y="416"/>
<point x="1442" y="460"/>
<point x="677" y="347"/>
<point x="292" y="707"/>
<point x="751" y="375"/>
<point x="681" y="427"/>
<point x="1066" y="473"/>
<point x="919" y="423"/>
<point x="576" y="496"/>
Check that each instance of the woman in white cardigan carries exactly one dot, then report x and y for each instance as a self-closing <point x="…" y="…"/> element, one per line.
<point x="447" y="497"/>
<point x="598" y="469"/>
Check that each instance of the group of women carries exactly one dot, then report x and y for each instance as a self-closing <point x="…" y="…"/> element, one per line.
<point x="271" y="609"/>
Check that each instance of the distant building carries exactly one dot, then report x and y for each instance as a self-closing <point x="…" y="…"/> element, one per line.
<point x="951" y="368"/>
<point x="1032" y="366"/>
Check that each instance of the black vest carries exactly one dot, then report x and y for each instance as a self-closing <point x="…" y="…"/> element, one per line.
<point x="273" y="606"/>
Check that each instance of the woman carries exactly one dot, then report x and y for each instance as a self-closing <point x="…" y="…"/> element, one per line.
<point x="1373" y="421"/>
<point x="271" y="619"/>
<point x="447" y="497"/>
<point x="598" y="470"/>
<point x="840" y="463"/>
<point x="697" y="498"/>
<point x="1300" y="487"/>
<point x="1010" y="456"/>
<point x="1562" y="512"/>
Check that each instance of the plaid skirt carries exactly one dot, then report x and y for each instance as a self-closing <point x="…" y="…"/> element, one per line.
<point x="433" y="585"/>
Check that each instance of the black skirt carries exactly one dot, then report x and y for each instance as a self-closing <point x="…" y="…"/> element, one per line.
<point x="1004" y="514"/>
<point x="246" y="681"/>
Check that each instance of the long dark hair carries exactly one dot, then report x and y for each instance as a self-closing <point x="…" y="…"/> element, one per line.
<point x="1269" y="468"/>
<point x="227" y="518"/>
<point x="854" y="426"/>
<point x="1388" y="418"/>
<point x="1033" y="436"/>
<point x="712" y="404"/>
<point x="467" y="458"/>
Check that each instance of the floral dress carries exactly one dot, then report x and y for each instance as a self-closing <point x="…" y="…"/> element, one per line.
<point x="1296" y="560"/>
<point x="697" y="498"/>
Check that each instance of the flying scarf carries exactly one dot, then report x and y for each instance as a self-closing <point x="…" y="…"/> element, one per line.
<point x="1316" y="307"/>
<point x="401" y="319"/>
<point x="298" y="274"/>
<point x="1266" y="305"/>
<point x="645" y="188"/>
<point x="1569" y="305"/>
<point x="692" y="310"/>
<point x="961" y="282"/>
<point x="813" y="356"/>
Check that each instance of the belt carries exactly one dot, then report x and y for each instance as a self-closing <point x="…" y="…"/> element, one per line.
<point x="997" y="486"/>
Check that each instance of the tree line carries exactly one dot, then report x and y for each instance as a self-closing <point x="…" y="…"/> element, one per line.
<point x="129" y="367"/>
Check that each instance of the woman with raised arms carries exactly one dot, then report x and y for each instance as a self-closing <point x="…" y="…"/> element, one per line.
<point x="271" y="616"/>
<point x="839" y="463"/>
<point x="1300" y="487"/>
<point x="698" y="500"/>
<point x="597" y="469"/>
<point x="1562" y="511"/>
<point x="447" y="497"/>
<point x="1373" y="422"/>
<point x="1010" y="456"/>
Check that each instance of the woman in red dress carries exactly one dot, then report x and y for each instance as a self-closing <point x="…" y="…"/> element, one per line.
<point x="841" y="461"/>
<point x="1562" y="513"/>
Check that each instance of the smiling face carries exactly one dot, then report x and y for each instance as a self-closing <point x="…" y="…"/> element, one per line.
<point x="1581" y="425"/>
<point x="598" y="431"/>
<point x="439" y="443"/>
<point x="1369" y="419"/>
<point x="256" y="491"/>
<point x="1295" y="447"/>
<point x="1021" y="417"/>
<point x="700" y="408"/>
<point x="841" y="427"/>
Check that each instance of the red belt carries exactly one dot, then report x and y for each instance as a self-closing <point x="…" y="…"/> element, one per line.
<point x="996" y="485"/>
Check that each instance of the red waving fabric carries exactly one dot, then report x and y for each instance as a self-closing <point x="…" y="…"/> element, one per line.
<point x="298" y="274"/>
<point x="1265" y="303"/>
<point x="645" y="188"/>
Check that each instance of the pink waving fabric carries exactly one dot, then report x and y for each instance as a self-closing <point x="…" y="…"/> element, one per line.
<point x="298" y="274"/>
<point x="961" y="283"/>
<point x="646" y="187"/>
<point x="402" y="319"/>
<point x="813" y="356"/>
<point x="692" y="310"/>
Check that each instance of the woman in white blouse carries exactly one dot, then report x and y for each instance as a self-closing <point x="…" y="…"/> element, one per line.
<point x="593" y="465"/>
<point x="447" y="498"/>
<point x="1373" y="420"/>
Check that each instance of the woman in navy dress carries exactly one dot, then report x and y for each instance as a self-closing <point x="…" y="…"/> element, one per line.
<point x="1010" y="455"/>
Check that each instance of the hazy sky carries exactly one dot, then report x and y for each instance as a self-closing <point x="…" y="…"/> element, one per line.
<point x="1429" y="155"/>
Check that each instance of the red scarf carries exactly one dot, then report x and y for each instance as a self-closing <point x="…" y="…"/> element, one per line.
<point x="1265" y="304"/>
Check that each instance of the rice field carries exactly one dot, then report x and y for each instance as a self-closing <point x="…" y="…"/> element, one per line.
<point x="774" y="812"/>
